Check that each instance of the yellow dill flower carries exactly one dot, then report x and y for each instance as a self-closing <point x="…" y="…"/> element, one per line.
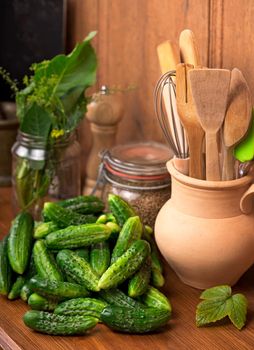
<point x="55" y="133"/>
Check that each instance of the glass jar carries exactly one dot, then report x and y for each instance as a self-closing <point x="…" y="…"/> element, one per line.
<point x="40" y="170"/>
<point x="137" y="172"/>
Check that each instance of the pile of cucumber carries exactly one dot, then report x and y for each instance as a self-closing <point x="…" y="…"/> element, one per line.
<point x="81" y="266"/>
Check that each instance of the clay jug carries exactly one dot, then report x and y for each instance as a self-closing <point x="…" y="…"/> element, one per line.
<point x="206" y="230"/>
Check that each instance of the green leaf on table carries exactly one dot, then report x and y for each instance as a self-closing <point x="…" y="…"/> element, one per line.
<point x="36" y="122"/>
<point x="218" y="303"/>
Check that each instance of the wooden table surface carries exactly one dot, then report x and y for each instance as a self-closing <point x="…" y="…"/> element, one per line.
<point x="180" y="333"/>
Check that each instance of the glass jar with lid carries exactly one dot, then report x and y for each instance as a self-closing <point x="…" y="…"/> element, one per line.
<point x="137" y="172"/>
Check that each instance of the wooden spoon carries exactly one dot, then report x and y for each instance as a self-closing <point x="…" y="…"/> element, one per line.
<point x="188" y="48"/>
<point x="210" y="89"/>
<point x="237" y="120"/>
<point x="188" y="115"/>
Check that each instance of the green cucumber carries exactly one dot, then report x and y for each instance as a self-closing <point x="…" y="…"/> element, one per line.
<point x="116" y="297"/>
<point x="154" y="298"/>
<point x="25" y="292"/>
<point x="126" y="265"/>
<point x="45" y="263"/>
<point x="64" y="217"/>
<point x="154" y="250"/>
<point x="130" y="232"/>
<point x="157" y="278"/>
<point x="20" y="242"/>
<point x="78" y="236"/>
<point x="54" y="324"/>
<point x="131" y="320"/>
<point x="83" y="204"/>
<point x="100" y="257"/>
<point x="120" y="208"/>
<point x="138" y="284"/>
<point x="104" y="218"/>
<point x="16" y="288"/>
<point x="78" y="269"/>
<point x="56" y="289"/>
<point x="81" y="306"/>
<point x="44" y="228"/>
<point x="5" y="268"/>
<point x="38" y="302"/>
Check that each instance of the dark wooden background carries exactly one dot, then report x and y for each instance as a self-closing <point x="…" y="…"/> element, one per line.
<point x="128" y="33"/>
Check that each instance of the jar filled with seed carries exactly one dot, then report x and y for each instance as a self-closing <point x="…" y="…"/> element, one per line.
<point x="137" y="172"/>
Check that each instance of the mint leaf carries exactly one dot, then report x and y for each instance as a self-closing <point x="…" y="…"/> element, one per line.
<point x="237" y="310"/>
<point x="218" y="303"/>
<point x="36" y="122"/>
<point x="211" y="311"/>
<point x="216" y="292"/>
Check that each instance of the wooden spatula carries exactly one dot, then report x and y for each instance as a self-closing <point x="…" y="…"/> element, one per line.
<point x="188" y="115"/>
<point x="237" y="120"/>
<point x="189" y="52"/>
<point x="210" y="89"/>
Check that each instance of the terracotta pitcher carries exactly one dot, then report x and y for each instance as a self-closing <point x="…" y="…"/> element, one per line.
<point x="206" y="230"/>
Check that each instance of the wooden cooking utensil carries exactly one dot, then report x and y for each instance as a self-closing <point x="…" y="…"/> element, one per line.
<point x="169" y="57"/>
<point x="210" y="89"/>
<point x="237" y="120"/>
<point x="168" y="54"/>
<point x="189" y="52"/>
<point x="188" y="115"/>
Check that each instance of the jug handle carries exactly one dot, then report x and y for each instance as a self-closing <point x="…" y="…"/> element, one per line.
<point x="246" y="201"/>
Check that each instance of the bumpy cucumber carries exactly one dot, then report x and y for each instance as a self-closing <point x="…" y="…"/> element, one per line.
<point x="20" y="242"/>
<point x="45" y="263"/>
<point x="37" y="302"/>
<point x="83" y="204"/>
<point x="120" y="209"/>
<point x="138" y="284"/>
<point x="83" y="253"/>
<point x="156" y="266"/>
<point x="16" y="288"/>
<point x="157" y="278"/>
<point x="104" y="218"/>
<point x="25" y="292"/>
<point x="81" y="306"/>
<point x="130" y="232"/>
<point x="154" y="298"/>
<point x="116" y="297"/>
<point x="100" y="257"/>
<point x="78" y="236"/>
<point x="64" y="217"/>
<point x="44" y="228"/>
<point x="126" y="265"/>
<point x="78" y="269"/>
<point x="54" y="324"/>
<point x="58" y="289"/>
<point x="5" y="268"/>
<point x="133" y="320"/>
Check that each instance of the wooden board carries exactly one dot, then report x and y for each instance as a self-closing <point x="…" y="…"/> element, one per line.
<point x="180" y="333"/>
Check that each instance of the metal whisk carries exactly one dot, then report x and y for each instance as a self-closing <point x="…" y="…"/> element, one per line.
<point x="166" y="112"/>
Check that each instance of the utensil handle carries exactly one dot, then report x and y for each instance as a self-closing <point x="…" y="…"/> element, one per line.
<point x="228" y="169"/>
<point x="212" y="157"/>
<point x="195" y="140"/>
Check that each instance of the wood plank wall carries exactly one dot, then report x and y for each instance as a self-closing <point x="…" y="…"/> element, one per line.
<point x="130" y="30"/>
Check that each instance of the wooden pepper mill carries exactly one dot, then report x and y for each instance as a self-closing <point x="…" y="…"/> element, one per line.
<point x="104" y="113"/>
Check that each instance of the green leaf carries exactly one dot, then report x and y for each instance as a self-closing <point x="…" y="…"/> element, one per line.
<point x="216" y="292"/>
<point x="36" y="122"/>
<point x="237" y="310"/>
<point x="211" y="311"/>
<point x="218" y="303"/>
